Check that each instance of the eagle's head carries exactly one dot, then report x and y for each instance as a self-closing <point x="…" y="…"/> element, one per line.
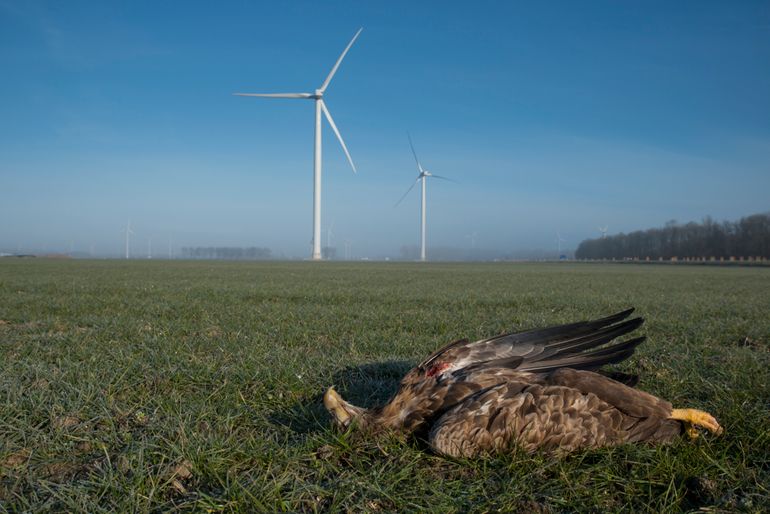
<point x="343" y="414"/>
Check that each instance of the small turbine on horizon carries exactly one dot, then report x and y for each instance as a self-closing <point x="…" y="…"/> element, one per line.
<point x="320" y="107"/>
<point x="129" y="233"/>
<point x="329" y="234"/>
<point x="559" y="241"/>
<point x="603" y="230"/>
<point x="422" y="175"/>
<point x="472" y="237"/>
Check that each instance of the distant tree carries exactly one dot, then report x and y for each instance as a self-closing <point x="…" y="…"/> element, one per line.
<point x="226" y="253"/>
<point x="748" y="237"/>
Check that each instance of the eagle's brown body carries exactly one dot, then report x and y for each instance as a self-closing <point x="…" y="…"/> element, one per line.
<point x="533" y="390"/>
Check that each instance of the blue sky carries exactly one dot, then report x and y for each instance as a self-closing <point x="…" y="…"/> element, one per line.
<point x="558" y="116"/>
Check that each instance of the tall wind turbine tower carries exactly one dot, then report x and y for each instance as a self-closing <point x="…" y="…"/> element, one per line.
<point x="129" y="232"/>
<point x="603" y="230"/>
<point x="320" y="107"/>
<point x="422" y="175"/>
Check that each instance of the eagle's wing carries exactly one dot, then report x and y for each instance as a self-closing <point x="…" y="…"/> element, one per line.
<point x="460" y="369"/>
<point x="540" y="350"/>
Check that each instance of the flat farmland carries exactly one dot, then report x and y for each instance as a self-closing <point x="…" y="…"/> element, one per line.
<point x="196" y="386"/>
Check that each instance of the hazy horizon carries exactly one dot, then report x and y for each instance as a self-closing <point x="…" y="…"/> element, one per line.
<point x="550" y="118"/>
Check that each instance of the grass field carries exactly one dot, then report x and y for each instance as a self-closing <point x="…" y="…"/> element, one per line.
<point x="146" y="386"/>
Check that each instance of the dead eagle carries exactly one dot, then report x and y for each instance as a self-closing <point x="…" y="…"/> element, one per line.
<point x="534" y="390"/>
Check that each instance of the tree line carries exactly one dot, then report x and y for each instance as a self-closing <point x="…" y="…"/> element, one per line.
<point x="745" y="238"/>
<point x="226" y="253"/>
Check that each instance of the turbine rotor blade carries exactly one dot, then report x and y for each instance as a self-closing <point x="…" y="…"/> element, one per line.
<point x="419" y="168"/>
<point x="337" y="64"/>
<point x="407" y="192"/>
<point x="337" y="133"/>
<point x="442" y="178"/>
<point x="276" y="95"/>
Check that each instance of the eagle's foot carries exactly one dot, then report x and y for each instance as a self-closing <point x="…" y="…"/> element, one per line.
<point x="693" y="418"/>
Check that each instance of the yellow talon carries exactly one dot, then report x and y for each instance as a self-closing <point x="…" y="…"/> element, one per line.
<point x="696" y="418"/>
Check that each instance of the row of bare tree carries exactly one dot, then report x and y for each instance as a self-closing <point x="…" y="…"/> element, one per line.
<point x="747" y="237"/>
<point x="226" y="253"/>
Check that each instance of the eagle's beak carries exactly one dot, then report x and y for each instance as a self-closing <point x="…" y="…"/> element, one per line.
<point x="342" y="412"/>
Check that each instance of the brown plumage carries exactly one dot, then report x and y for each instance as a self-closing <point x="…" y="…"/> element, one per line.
<point x="539" y="389"/>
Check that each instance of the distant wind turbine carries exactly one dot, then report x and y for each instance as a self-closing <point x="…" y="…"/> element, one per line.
<point x="472" y="237"/>
<point x="129" y="233"/>
<point x="320" y="107"/>
<point x="329" y="234"/>
<point x="422" y="175"/>
<point x="559" y="241"/>
<point x="327" y="250"/>
<point x="603" y="230"/>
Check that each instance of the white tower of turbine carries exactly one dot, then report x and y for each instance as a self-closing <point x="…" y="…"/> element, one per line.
<point x="603" y="230"/>
<point x="320" y="107"/>
<point x="472" y="237"/>
<point x="129" y="233"/>
<point x="327" y="250"/>
<point x="559" y="241"/>
<point x="329" y="234"/>
<point x="422" y="175"/>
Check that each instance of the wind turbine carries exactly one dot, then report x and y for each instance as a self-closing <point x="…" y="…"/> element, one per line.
<point x="329" y="234"/>
<point x="603" y="230"/>
<point x="328" y="248"/>
<point x="320" y="107"/>
<point x="472" y="237"/>
<point x="422" y="175"/>
<point x="129" y="232"/>
<point x="559" y="241"/>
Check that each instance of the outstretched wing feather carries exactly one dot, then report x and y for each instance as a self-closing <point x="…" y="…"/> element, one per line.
<point x="534" y="344"/>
